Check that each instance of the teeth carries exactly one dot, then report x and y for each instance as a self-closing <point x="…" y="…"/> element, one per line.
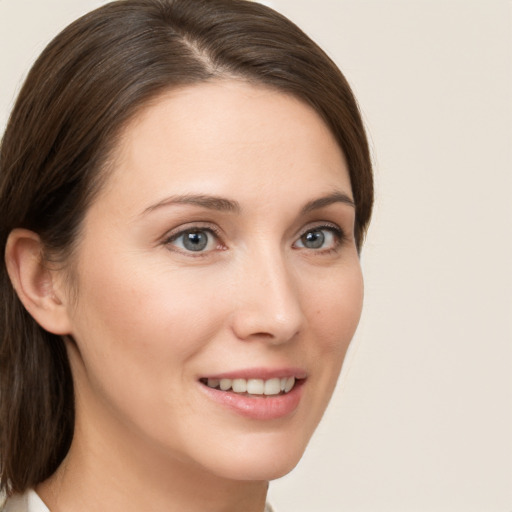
<point x="290" y="382"/>
<point x="239" y="385"/>
<point x="213" y="383"/>
<point x="272" y="387"/>
<point x="225" y="384"/>
<point x="254" y="386"/>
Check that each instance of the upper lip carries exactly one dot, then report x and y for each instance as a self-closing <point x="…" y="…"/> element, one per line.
<point x="260" y="373"/>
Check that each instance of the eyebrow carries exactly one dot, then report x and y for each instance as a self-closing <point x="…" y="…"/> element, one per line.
<point x="204" y="201"/>
<point x="229" y="205"/>
<point x="322" y="202"/>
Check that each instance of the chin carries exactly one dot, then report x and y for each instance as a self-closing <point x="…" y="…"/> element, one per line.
<point x="260" y="458"/>
<point x="261" y="470"/>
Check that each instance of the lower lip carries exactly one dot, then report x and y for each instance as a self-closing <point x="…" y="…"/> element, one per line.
<point x="264" y="407"/>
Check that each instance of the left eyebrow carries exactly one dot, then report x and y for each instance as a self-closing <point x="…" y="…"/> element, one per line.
<point x="322" y="202"/>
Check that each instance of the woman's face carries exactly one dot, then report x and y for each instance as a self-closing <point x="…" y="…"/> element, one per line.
<point x="220" y="253"/>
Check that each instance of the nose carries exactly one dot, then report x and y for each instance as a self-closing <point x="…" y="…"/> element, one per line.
<point x="268" y="303"/>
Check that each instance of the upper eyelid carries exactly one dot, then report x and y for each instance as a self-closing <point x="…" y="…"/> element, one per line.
<point x="197" y="226"/>
<point x="322" y="225"/>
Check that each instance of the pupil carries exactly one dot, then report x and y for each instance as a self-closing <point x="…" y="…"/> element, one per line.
<point x="313" y="239"/>
<point x="195" y="241"/>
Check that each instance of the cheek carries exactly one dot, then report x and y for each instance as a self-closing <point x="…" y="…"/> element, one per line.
<point x="336" y="310"/>
<point x="144" y="320"/>
<point x="333" y="315"/>
<point x="136" y="333"/>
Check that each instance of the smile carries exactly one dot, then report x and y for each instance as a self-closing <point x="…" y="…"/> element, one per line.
<point x="269" y="387"/>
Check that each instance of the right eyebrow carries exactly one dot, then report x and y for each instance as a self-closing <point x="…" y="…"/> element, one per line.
<point x="204" y="201"/>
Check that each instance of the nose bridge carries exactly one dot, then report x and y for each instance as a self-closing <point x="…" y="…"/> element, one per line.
<point x="268" y="304"/>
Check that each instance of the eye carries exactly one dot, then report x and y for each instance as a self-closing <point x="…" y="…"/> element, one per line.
<point x="194" y="240"/>
<point x="321" y="237"/>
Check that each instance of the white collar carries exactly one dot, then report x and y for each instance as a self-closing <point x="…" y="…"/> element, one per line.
<point x="27" y="502"/>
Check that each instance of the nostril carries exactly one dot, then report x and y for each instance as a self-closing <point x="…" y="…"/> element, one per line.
<point x="262" y="335"/>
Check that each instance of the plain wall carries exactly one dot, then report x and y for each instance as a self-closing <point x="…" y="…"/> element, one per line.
<point x="422" y="417"/>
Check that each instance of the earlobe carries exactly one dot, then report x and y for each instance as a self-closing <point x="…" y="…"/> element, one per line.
<point x="34" y="281"/>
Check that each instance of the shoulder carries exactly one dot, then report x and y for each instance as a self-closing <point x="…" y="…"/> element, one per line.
<point x="27" y="502"/>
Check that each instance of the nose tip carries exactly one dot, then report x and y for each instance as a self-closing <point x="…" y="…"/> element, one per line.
<point x="268" y="307"/>
<point x="257" y="324"/>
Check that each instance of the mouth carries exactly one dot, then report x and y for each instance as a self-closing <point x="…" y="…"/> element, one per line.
<point x="254" y="387"/>
<point x="257" y="393"/>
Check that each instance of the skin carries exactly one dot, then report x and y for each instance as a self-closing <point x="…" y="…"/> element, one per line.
<point x="151" y="318"/>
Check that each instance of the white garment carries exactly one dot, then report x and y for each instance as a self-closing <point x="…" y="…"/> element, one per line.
<point x="27" y="502"/>
<point x="31" y="502"/>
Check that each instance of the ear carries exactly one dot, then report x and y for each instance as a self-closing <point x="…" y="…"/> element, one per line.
<point x="35" y="283"/>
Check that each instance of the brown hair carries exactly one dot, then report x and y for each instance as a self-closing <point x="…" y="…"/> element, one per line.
<point x="89" y="81"/>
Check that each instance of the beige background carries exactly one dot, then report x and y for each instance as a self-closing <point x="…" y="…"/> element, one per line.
<point x="422" y="419"/>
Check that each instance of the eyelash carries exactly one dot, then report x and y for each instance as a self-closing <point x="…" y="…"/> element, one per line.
<point x="336" y="231"/>
<point x="211" y="230"/>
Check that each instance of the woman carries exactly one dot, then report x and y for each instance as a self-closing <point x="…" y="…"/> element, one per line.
<point x="184" y="191"/>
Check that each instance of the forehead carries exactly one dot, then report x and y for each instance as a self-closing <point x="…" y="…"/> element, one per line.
<point x="229" y="133"/>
